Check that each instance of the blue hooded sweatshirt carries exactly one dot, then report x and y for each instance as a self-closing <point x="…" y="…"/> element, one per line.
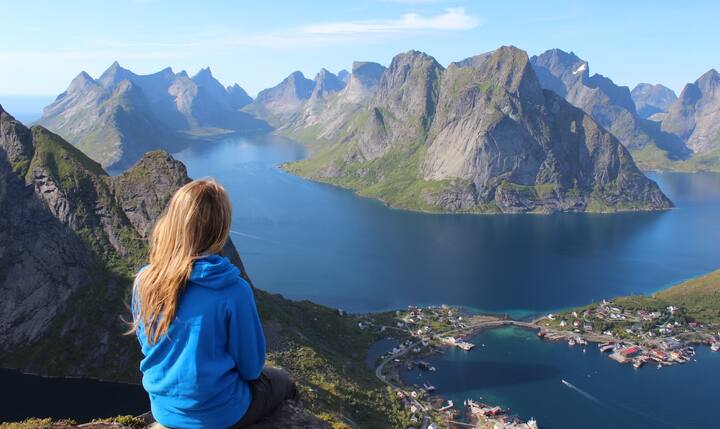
<point x="197" y="373"/>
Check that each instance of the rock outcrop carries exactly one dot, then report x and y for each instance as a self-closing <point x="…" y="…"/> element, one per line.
<point x="277" y="104"/>
<point x="482" y="135"/>
<point x="121" y="115"/>
<point x="695" y="116"/>
<point x="608" y="104"/>
<point x="652" y="99"/>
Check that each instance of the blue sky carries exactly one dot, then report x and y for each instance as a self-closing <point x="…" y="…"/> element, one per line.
<point x="257" y="43"/>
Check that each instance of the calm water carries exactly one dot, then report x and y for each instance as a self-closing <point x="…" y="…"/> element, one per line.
<point x="25" y="108"/>
<point x="314" y="241"/>
<point x="23" y="396"/>
<point x="517" y="370"/>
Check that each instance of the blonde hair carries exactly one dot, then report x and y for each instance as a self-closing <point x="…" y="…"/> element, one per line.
<point x="196" y="223"/>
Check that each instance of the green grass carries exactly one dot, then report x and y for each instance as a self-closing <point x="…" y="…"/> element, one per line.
<point x="653" y="158"/>
<point x="700" y="297"/>
<point x="698" y="300"/>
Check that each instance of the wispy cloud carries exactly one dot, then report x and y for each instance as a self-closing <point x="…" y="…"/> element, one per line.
<point x="201" y="41"/>
<point x="454" y="19"/>
<point x="318" y="34"/>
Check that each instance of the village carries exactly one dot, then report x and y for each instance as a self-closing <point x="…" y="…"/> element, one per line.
<point x="421" y="332"/>
<point x="631" y="332"/>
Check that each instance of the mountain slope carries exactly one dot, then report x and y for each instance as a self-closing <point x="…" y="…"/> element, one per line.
<point x="609" y="105"/>
<point x="323" y="117"/>
<point x="73" y="238"/>
<point x="121" y="115"/>
<point x="481" y="136"/>
<point x="695" y="116"/>
<point x="277" y="104"/>
<point x="652" y="99"/>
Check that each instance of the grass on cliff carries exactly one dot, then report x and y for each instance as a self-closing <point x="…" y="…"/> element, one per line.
<point x="654" y="159"/>
<point x="325" y="352"/>
<point x="698" y="298"/>
<point x="394" y="178"/>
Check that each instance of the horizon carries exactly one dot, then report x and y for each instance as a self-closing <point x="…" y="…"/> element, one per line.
<point x="150" y="36"/>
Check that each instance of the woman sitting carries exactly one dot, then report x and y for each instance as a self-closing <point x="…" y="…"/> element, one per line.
<point x="197" y="323"/>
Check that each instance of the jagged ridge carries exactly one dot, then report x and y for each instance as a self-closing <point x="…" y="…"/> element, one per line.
<point x="480" y="136"/>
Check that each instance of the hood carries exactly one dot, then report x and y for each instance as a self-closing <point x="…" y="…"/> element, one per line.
<point x="214" y="272"/>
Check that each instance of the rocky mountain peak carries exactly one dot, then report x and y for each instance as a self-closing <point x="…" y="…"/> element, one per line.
<point x="510" y="68"/>
<point x="709" y="82"/>
<point x="651" y="99"/>
<point x="238" y="96"/>
<point x="695" y="115"/>
<point x="326" y="83"/>
<point x="114" y="75"/>
<point x="81" y="82"/>
<point x="343" y="75"/>
<point x="203" y="74"/>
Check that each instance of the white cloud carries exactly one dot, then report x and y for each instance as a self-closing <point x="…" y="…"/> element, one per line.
<point x="454" y="19"/>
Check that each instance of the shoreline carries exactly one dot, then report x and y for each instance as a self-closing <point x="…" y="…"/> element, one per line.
<point x="416" y="342"/>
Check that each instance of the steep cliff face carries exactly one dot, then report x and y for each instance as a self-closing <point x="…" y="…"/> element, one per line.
<point x="652" y="99"/>
<point x="608" y="104"/>
<point x="72" y="240"/>
<point x="327" y="117"/>
<point x="695" y="116"/>
<point x="278" y="104"/>
<point x="121" y="115"/>
<point x="484" y="136"/>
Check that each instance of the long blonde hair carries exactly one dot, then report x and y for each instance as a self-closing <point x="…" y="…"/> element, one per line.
<point x="196" y="222"/>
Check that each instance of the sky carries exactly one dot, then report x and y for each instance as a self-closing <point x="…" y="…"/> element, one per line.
<point x="46" y="43"/>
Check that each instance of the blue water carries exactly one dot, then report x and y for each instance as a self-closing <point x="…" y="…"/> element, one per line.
<point x="315" y="241"/>
<point x="23" y="396"/>
<point x="25" y="108"/>
<point x="517" y="370"/>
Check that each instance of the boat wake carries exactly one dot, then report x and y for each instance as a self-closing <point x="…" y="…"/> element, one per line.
<point x="581" y="392"/>
<point x="612" y="405"/>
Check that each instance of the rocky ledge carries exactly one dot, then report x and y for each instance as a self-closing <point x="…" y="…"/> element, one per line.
<point x="291" y="415"/>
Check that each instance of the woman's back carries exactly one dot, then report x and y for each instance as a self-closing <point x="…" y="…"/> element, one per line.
<point x="197" y="374"/>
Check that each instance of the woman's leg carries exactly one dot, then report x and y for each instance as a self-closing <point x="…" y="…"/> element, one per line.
<point x="269" y="391"/>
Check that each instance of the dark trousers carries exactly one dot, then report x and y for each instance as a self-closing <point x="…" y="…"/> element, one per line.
<point x="269" y="391"/>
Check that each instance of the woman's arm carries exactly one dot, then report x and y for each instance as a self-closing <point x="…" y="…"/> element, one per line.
<point x="246" y="340"/>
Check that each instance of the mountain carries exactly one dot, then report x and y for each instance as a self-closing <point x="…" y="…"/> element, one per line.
<point x="324" y="116"/>
<point x="73" y="238"/>
<point x="610" y="105"/>
<point x="277" y="104"/>
<point x="695" y="115"/>
<point x="481" y="136"/>
<point x="652" y="99"/>
<point x="325" y="84"/>
<point x="344" y="76"/>
<point x="238" y="97"/>
<point x="121" y="115"/>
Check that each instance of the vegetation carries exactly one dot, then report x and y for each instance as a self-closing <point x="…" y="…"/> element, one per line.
<point x="700" y="297"/>
<point x="653" y="158"/>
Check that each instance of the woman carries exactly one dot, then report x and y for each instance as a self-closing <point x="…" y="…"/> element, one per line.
<point x="196" y="320"/>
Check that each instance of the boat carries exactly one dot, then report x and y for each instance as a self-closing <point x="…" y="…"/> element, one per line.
<point x="659" y="365"/>
<point x="638" y="363"/>
<point x="715" y="347"/>
<point x="571" y="342"/>
<point x="429" y="387"/>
